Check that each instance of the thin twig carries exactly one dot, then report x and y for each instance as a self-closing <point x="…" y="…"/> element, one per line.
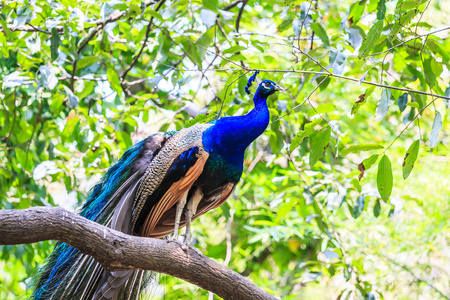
<point x="298" y="42"/>
<point x="147" y="33"/>
<point x="38" y="29"/>
<point x="304" y="100"/>
<point x="233" y="4"/>
<point x="203" y="76"/>
<point x="411" y="39"/>
<point x="226" y="91"/>
<point x="407" y="125"/>
<point x="275" y="36"/>
<point x="328" y="73"/>
<point x="241" y="10"/>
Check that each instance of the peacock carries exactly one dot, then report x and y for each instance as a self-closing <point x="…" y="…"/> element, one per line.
<point x="157" y="187"/>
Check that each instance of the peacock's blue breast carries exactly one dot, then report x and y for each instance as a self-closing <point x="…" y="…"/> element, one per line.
<point x="217" y="172"/>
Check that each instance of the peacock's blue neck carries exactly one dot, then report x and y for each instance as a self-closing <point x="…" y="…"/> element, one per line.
<point x="230" y="136"/>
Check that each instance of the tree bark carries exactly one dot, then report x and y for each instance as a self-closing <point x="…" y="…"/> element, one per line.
<point x="118" y="251"/>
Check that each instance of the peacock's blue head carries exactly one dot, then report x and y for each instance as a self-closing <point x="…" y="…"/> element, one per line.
<point x="268" y="87"/>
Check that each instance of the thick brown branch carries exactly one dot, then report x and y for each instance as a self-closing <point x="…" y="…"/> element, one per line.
<point x="118" y="251"/>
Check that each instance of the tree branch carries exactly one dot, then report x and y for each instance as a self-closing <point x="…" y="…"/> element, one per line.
<point x="115" y="250"/>
<point x="327" y="73"/>
<point x="241" y="10"/>
<point x="233" y="4"/>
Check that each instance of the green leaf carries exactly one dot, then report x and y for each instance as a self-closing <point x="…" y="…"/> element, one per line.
<point x="358" y="208"/>
<point x="323" y="109"/>
<point x="200" y="119"/>
<point x="381" y="9"/>
<point x="356" y="11"/>
<point x="383" y="104"/>
<point x="362" y="99"/>
<point x="356" y="184"/>
<point x="385" y="180"/>
<point x="410" y="158"/>
<point x="369" y="91"/>
<point x="4" y="42"/>
<point x="205" y="41"/>
<point x="124" y="139"/>
<point x="403" y="5"/>
<point x="70" y="126"/>
<point x="377" y="208"/>
<point x="437" y="125"/>
<point x="409" y="116"/>
<point x="318" y="144"/>
<point x="54" y="43"/>
<point x="21" y="156"/>
<point x="402" y="101"/>
<point x="154" y="14"/>
<point x="210" y="4"/>
<point x="234" y="49"/>
<point x="432" y="70"/>
<point x="418" y="201"/>
<point x="403" y="20"/>
<point x="191" y="49"/>
<point x="321" y="33"/>
<point x="57" y="103"/>
<point x="361" y="147"/>
<point x="87" y="61"/>
<point x="372" y="37"/>
<point x="113" y="79"/>
<point x="298" y="139"/>
<point x="368" y="162"/>
<point x="413" y="104"/>
<point x="337" y="60"/>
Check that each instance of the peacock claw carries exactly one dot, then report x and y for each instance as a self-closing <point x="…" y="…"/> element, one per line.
<point x="177" y="241"/>
<point x="173" y="239"/>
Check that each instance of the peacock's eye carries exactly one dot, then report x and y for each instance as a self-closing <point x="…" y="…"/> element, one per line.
<point x="266" y="85"/>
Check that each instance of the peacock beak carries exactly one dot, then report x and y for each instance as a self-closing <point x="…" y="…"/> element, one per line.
<point x="278" y="88"/>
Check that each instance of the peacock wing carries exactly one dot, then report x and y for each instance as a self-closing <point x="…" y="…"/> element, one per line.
<point x="170" y="174"/>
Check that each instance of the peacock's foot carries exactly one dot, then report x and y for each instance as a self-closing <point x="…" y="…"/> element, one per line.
<point x="174" y="239"/>
<point x="189" y="242"/>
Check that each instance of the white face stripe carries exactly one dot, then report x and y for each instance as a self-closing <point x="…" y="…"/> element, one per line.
<point x="266" y="85"/>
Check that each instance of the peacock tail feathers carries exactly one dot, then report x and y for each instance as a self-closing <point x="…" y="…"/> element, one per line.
<point x="116" y="175"/>
<point x="64" y="261"/>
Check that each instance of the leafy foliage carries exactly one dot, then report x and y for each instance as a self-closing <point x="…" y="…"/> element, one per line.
<point x="81" y="81"/>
